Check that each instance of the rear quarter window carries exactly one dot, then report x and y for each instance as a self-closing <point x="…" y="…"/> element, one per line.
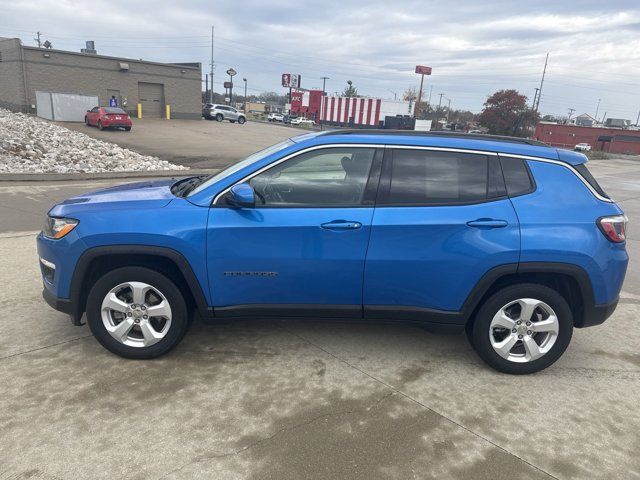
<point x="586" y="174"/>
<point x="517" y="177"/>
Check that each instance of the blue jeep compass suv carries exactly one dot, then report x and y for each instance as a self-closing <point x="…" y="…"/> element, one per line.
<point x="507" y="238"/>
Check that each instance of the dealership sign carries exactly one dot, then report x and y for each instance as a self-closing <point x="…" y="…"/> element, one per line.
<point x="291" y="80"/>
<point x="423" y="70"/>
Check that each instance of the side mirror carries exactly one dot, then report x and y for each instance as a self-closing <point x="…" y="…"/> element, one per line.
<point x="242" y="196"/>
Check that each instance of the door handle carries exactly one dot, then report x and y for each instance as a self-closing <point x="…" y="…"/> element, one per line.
<point x="488" y="223"/>
<point x="341" y="225"/>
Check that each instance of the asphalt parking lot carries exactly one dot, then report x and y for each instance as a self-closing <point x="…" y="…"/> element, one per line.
<point x="194" y="143"/>
<point x="276" y="399"/>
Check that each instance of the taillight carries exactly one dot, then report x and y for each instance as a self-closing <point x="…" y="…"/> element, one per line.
<point x="614" y="227"/>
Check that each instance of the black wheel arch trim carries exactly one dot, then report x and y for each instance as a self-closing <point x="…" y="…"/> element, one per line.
<point x="89" y="255"/>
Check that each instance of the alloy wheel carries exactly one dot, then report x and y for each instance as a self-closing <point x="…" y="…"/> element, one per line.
<point x="136" y="314"/>
<point x="524" y="330"/>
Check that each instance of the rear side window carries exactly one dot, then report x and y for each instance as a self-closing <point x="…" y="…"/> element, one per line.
<point x="586" y="174"/>
<point x="420" y="177"/>
<point x="516" y="176"/>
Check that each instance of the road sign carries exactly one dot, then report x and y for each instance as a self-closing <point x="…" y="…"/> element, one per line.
<point x="423" y="70"/>
<point x="231" y="72"/>
<point x="228" y="85"/>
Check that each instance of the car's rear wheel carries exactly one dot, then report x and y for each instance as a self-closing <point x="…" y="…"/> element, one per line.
<point x="137" y="313"/>
<point x="522" y="328"/>
<point x="219" y="117"/>
<point x="241" y="120"/>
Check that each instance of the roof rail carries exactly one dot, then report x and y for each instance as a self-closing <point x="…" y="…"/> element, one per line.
<point x="470" y="136"/>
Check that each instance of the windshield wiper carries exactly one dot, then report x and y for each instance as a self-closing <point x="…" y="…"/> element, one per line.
<point x="183" y="187"/>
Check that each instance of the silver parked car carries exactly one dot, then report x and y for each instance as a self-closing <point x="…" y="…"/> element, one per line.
<point x="222" y="112"/>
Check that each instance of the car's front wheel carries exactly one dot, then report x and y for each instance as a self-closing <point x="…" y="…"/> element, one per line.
<point x="137" y="313"/>
<point x="241" y="120"/>
<point x="522" y="329"/>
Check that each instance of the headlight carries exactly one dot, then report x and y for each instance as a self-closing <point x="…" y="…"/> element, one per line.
<point x="58" y="227"/>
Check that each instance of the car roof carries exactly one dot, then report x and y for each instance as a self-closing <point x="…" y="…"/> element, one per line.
<point x="445" y="139"/>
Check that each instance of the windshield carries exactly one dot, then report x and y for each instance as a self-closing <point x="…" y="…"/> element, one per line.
<point x="240" y="165"/>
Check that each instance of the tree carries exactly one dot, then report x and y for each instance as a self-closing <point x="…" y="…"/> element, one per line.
<point x="506" y="113"/>
<point x="410" y="95"/>
<point x="350" y="91"/>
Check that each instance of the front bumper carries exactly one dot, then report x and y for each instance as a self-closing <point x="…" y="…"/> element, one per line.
<point x="63" y="305"/>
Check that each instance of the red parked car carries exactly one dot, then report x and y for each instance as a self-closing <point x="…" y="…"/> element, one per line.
<point x="108" y="117"/>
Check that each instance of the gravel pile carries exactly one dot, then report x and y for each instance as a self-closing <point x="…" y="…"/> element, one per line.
<point x="31" y="145"/>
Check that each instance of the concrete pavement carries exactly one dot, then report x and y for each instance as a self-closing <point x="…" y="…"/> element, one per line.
<point x="276" y="399"/>
<point x="194" y="143"/>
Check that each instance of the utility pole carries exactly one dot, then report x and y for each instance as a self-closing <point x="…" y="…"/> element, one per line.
<point x="395" y="95"/>
<point x="597" y="108"/>
<point x="571" y="110"/>
<point x="206" y="86"/>
<point x="324" y="94"/>
<point x="211" y="90"/>
<point x="535" y="97"/>
<point x="37" y="39"/>
<point x="440" y="101"/>
<point x="448" y="109"/>
<point x="544" y="71"/>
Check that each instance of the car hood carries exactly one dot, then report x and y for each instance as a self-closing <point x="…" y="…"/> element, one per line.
<point x="149" y="194"/>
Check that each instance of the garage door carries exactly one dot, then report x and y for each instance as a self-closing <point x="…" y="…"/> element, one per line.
<point x="151" y="96"/>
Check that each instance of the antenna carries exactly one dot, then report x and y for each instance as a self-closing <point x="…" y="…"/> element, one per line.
<point x="37" y="39"/>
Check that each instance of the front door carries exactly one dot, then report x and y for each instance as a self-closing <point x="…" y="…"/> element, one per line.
<point x="442" y="221"/>
<point x="301" y="250"/>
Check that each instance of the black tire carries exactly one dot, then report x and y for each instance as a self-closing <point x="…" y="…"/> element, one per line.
<point x="219" y="117"/>
<point x="127" y="129"/>
<point x="479" y="332"/>
<point x="86" y="121"/>
<point x="179" y="312"/>
<point x="241" y="120"/>
<point x="100" y="125"/>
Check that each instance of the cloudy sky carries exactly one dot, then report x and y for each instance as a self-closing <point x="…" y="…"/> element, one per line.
<point x="474" y="47"/>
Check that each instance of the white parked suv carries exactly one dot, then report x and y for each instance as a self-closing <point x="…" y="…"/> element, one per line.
<point x="223" y="112"/>
<point x="275" y="117"/>
<point x="582" y="147"/>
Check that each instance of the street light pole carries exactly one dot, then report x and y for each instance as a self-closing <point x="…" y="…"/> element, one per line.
<point x="245" y="94"/>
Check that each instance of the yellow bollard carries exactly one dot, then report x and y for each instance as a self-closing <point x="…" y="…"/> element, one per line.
<point x="168" y="112"/>
<point x="139" y="110"/>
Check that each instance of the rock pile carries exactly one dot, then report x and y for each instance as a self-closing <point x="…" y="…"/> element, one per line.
<point x="31" y="145"/>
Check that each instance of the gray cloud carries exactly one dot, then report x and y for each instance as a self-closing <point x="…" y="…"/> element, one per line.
<point x="474" y="47"/>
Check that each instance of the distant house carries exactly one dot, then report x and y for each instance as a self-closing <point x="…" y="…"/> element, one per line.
<point x="585" y="120"/>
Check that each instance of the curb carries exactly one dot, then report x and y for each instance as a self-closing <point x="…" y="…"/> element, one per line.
<point x="52" y="177"/>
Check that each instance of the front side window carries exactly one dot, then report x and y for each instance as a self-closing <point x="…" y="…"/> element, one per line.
<point x="327" y="177"/>
<point x="420" y="177"/>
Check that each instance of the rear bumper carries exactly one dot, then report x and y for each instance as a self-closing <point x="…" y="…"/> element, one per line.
<point x="597" y="314"/>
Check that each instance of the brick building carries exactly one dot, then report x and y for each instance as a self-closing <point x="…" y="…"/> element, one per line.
<point x="25" y="70"/>
<point x="614" y="140"/>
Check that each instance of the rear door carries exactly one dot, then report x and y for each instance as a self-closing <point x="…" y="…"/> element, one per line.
<point x="441" y="222"/>
<point x="301" y="250"/>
